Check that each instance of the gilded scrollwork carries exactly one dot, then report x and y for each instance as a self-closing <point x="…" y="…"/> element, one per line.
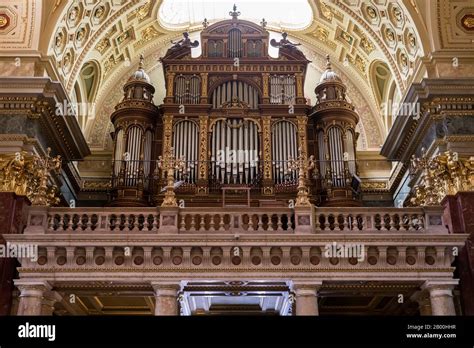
<point x="29" y="175"/>
<point x="442" y="175"/>
<point x="203" y="126"/>
<point x="267" y="138"/>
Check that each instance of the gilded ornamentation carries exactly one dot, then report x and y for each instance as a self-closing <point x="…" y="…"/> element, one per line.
<point x="412" y="40"/>
<point x="67" y="61"/>
<point x="299" y="86"/>
<point x="99" y="12"/>
<point x="328" y="12"/>
<point x="148" y="34"/>
<point x="265" y="84"/>
<point x="81" y="34"/>
<point x="303" y="166"/>
<point x="442" y="175"/>
<point x="397" y="14"/>
<point x="372" y="12"/>
<point x="29" y="175"/>
<point x="404" y="60"/>
<point x="167" y="133"/>
<point x="169" y="88"/>
<point x="374" y="185"/>
<point x="390" y="35"/>
<point x="322" y="35"/>
<point x="468" y="21"/>
<point x="204" y="84"/>
<point x="302" y="122"/>
<point x="103" y="45"/>
<point x="267" y="157"/>
<point x="59" y="40"/>
<point x="366" y="45"/>
<point x="346" y="37"/>
<point x="109" y="63"/>
<point x="73" y="15"/>
<point x="142" y="11"/>
<point x="203" y="147"/>
<point x="169" y="164"/>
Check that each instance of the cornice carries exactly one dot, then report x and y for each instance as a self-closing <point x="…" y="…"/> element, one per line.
<point x="37" y="97"/>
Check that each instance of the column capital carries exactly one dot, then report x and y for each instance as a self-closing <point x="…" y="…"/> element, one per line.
<point x="306" y="286"/>
<point x="432" y="285"/>
<point x="166" y="288"/>
<point x="35" y="287"/>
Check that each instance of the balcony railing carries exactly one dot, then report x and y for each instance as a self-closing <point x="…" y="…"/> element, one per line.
<point x="236" y="220"/>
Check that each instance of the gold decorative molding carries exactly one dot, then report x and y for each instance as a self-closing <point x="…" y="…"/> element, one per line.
<point x="374" y="185"/>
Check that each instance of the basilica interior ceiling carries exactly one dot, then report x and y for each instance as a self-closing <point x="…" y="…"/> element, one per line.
<point x="378" y="47"/>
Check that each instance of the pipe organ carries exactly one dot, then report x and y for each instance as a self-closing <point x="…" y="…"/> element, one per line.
<point x="227" y="114"/>
<point x="243" y="86"/>
<point x="333" y="122"/>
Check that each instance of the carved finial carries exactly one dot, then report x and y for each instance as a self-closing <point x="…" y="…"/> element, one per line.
<point x="328" y="62"/>
<point x="234" y="14"/>
<point x="263" y="23"/>
<point x="142" y="60"/>
<point x="205" y="23"/>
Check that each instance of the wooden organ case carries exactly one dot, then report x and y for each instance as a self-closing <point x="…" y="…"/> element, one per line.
<point x="235" y="114"/>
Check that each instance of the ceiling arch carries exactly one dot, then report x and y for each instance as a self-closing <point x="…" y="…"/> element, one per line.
<point x="355" y="33"/>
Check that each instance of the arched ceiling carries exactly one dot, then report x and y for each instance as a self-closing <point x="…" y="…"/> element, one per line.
<point x="356" y="34"/>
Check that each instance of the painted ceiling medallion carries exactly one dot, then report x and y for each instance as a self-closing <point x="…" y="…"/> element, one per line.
<point x="4" y="21"/>
<point x="468" y="21"/>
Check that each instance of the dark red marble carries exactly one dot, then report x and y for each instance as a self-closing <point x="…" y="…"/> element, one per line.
<point x="12" y="208"/>
<point x="459" y="218"/>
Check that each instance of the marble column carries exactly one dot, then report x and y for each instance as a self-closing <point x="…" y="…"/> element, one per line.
<point x="166" y="298"/>
<point x="441" y="296"/>
<point x="306" y="295"/>
<point x="31" y="296"/>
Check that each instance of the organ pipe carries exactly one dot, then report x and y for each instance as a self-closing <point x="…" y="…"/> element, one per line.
<point x="235" y="43"/>
<point x="234" y="151"/>
<point x="118" y="157"/>
<point x="336" y="155"/>
<point x="235" y="89"/>
<point x="187" y="89"/>
<point x="185" y="145"/>
<point x="282" y="89"/>
<point x="284" y="147"/>
<point x="349" y="147"/>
